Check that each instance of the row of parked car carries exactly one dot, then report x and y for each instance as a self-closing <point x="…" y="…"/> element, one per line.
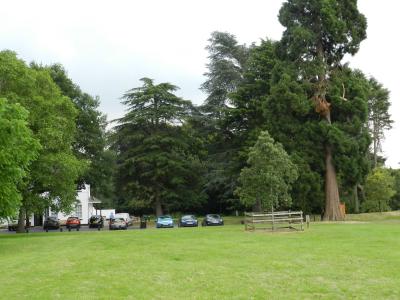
<point x="189" y="221"/>
<point x="122" y="221"/>
<point x="96" y="221"/>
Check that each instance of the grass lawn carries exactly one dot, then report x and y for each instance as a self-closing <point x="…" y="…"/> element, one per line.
<point x="327" y="261"/>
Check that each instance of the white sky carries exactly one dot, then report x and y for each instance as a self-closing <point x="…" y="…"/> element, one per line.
<point x="107" y="46"/>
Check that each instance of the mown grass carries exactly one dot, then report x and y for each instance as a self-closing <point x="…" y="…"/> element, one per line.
<point x="327" y="261"/>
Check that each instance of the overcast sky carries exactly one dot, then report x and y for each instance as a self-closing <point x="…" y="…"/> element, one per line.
<point x="107" y="46"/>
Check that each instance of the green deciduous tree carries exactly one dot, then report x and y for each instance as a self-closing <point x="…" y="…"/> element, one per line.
<point x="379" y="189"/>
<point x="267" y="181"/>
<point x="91" y="137"/>
<point x="53" y="174"/>
<point x="18" y="148"/>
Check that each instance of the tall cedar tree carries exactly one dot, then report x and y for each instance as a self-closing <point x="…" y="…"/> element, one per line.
<point x="157" y="161"/>
<point x="317" y="36"/>
<point x="227" y="64"/>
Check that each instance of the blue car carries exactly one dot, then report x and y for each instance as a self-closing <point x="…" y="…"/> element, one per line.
<point x="188" y="221"/>
<point x="164" y="222"/>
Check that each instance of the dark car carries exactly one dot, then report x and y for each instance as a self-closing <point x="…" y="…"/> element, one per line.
<point x="96" y="221"/>
<point x="165" y="222"/>
<point x="13" y="225"/>
<point x="73" y="222"/>
<point x="51" y="223"/>
<point x="188" y="221"/>
<point x="118" y="223"/>
<point x="212" y="220"/>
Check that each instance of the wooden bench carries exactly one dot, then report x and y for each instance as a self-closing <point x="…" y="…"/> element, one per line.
<point x="274" y="220"/>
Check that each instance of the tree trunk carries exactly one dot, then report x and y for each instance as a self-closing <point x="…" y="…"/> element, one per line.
<point x="356" y="200"/>
<point x="159" y="210"/>
<point x="332" y="210"/>
<point x="21" y="220"/>
<point x="257" y="206"/>
<point x="375" y="148"/>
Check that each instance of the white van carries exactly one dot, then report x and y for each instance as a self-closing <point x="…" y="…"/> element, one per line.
<point x="125" y="216"/>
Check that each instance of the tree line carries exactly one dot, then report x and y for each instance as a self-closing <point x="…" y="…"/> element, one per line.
<point x="285" y="123"/>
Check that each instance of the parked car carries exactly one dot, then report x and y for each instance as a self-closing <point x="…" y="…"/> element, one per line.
<point x="96" y="221"/>
<point x="73" y="222"/>
<point x="13" y="224"/>
<point x="164" y="221"/>
<point x="125" y="216"/>
<point x="188" y="221"/>
<point x="212" y="220"/>
<point x="51" y="223"/>
<point x="118" y="223"/>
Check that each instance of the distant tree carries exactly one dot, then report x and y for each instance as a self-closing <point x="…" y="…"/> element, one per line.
<point x="379" y="189"/>
<point x="157" y="157"/>
<point x="226" y="67"/>
<point x="18" y="149"/>
<point x="267" y="181"/>
<point x="91" y="137"/>
<point x="225" y="71"/>
<point x="379" y="117"/>
<point x="395" y="201"/>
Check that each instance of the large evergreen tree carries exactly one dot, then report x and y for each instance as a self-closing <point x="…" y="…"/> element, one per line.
<point x="317" y="36"/>
<point x="158" y="165"/>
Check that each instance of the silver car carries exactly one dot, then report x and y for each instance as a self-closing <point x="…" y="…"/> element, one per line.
<point x="118" y="223"/>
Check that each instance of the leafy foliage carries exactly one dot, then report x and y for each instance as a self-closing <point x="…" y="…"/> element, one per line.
<point x="269" y="177"/>
<point x="379" y="189"/>
<point x="18" y="149"/>
<point x="52" y="122"/>
<point x="90" y="142"/>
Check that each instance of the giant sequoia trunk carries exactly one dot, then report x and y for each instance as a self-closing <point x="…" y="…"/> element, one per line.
<point x="323" y="108"/>
<point x="332" y="209"/>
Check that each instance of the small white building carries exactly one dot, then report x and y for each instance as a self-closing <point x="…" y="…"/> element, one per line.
<point x="83" y="208"/>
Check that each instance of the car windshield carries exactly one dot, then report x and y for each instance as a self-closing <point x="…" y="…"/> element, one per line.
<point x="72" y="218"/>
<point x="214" y="216"/>
<point x="188" y="218"/>
<point x="164" y="217"/>
<point x="119" y="220"/>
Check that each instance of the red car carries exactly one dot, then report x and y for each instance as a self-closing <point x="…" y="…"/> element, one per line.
<point x="73" y="222"/>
